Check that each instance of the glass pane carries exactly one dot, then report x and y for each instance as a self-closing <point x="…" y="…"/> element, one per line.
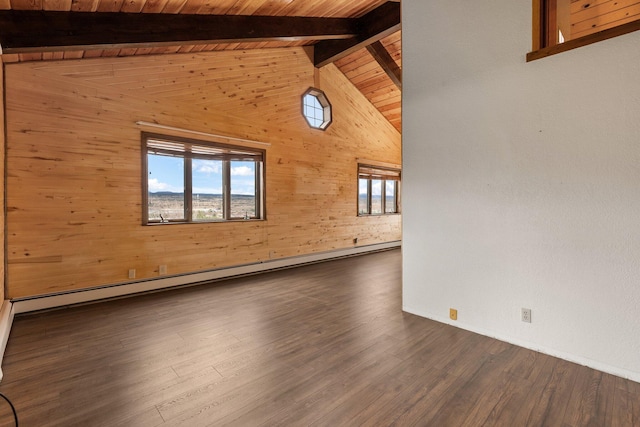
<point x="363" y="209"/>
<point x="390" y="196"/>
<point x="166" y="188"/>
<point x="313" y="111"/>
<point x="206" y="190"/>
<point x="243" y="189"/>
<point x="376" y="196"/>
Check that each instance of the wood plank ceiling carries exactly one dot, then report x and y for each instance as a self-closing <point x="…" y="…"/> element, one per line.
<point x="361" y="37"/>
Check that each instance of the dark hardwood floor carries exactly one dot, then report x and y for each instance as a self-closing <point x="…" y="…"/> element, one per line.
<point x="321" y="345"/>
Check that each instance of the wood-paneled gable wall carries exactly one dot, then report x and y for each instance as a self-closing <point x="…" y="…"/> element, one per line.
<point x="74" y="181"/>
<point x="373" y="82"/>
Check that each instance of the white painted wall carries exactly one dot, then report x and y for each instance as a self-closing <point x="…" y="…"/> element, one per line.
<point x="521" y="182"/>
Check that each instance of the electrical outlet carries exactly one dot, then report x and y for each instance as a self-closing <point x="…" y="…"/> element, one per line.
<point x="162" y="269"/>
<point x="132" y="273"/>
<point x="526" y="315"/>
<point x="453" y="314"/>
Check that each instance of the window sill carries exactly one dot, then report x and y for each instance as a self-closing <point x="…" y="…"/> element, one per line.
<point x="376" y="215"/>
<point x="583" y="41"/>
<point x="226" y="221"/>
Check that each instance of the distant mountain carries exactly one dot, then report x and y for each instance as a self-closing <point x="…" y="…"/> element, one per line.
<point x="165" y="193"/>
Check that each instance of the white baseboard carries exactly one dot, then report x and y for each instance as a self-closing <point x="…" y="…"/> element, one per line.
<point x="584" y="361"/>
<point x="43" y="302"/>
<point x="6" y="321"/>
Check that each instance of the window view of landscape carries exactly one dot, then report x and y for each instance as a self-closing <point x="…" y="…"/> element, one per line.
<point x="375" y="201"/>
<point x="208" y="207"/>
<point x="390" y="204"/>
<point x="167" y="206"/>
<point x="376" y="196"/>
<point x="217" y="185"/>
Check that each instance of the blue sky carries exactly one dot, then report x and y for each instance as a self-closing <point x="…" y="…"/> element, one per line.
<point x="167" y="174"/>
<point x="376" y="187"/>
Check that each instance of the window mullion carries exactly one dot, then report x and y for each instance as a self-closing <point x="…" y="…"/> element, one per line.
<point x="369" y="194"/>
<point x="258" y="190"/>
<point x="188" y="189"/>
<point x="383" y="194"/>
<point x="226" y="189"/>
<point x="395" y="196"/>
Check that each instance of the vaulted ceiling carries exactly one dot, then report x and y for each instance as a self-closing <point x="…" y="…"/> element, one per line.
<point x="361" y="37"/>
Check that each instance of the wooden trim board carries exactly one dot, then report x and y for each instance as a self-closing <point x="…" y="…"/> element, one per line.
<point x="174" y="131"/>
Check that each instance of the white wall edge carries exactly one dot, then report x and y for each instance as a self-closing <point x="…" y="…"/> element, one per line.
<point x="599" y="366"/>
<point x="6" y="321"/>
<point x="44" y="302"/>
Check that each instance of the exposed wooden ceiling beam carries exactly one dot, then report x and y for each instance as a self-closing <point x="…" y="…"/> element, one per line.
<point x="382" y="57"/>
<point x="23" y="31"/>
<point x="372" y="27"/>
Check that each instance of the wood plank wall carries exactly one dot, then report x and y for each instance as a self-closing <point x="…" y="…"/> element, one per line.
<point x="2" y="179"/>
<point x="74" y="164"/>
<point x="591" y="16"/>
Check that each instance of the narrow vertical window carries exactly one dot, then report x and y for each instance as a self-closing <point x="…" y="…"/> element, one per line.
<point x="243" y="189"/>
<point x="166" y="188"/>
<point x="376" y="196"/>
<point x="207" y="180"/>
<point x="363" y="196"/>
<point x="391" y="205"/>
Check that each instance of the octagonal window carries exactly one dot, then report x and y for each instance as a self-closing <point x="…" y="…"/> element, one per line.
<point x="316" y="109"/>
